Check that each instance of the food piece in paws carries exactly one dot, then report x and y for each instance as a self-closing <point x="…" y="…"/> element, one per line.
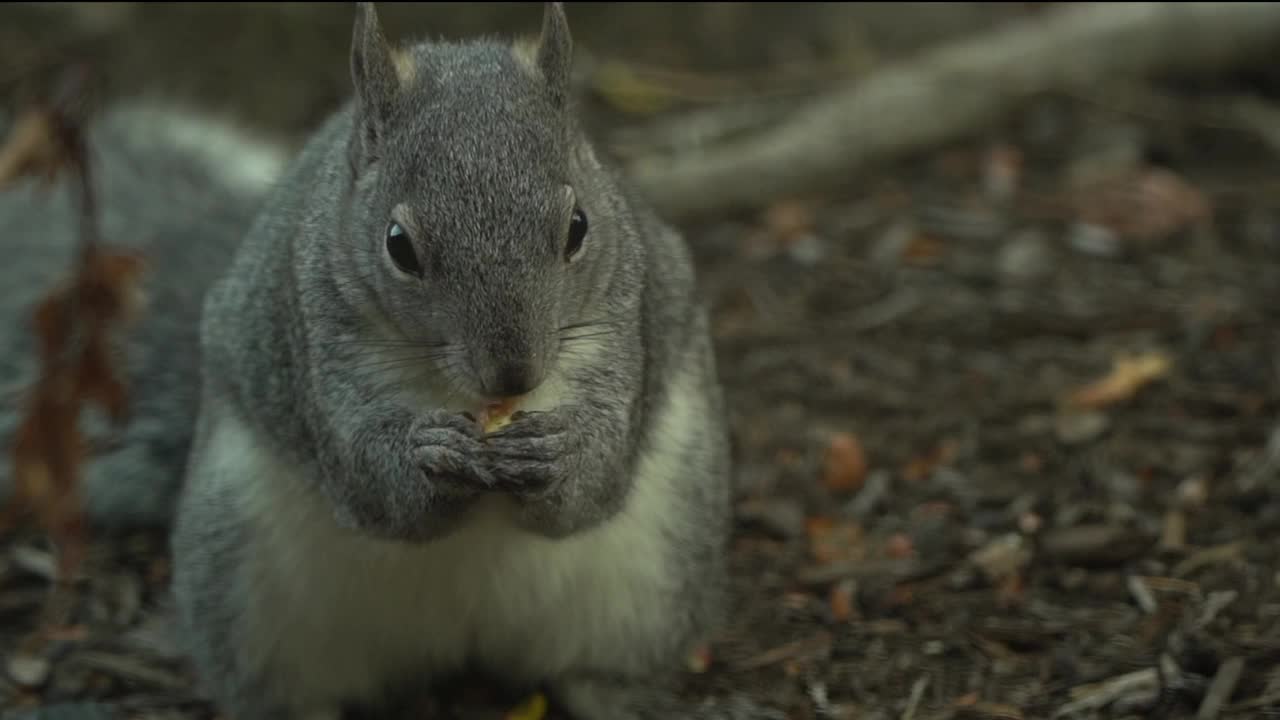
<point x="497" y="415"/>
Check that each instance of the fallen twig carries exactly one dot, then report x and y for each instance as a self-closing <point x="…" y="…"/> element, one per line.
<point x="1224" y="684"/>
<point x="942" y="94"/>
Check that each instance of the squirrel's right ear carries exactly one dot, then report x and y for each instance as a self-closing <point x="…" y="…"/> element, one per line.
<point x="377" y="72"/>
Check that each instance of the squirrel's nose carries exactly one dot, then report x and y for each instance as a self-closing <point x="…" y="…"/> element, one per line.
<point x="515" y="378"/>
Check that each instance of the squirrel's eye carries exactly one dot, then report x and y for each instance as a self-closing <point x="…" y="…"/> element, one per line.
<point x="577" y="233"/>
<point x="400" y="248"/>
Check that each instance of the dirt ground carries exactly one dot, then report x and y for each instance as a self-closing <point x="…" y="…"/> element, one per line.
<point x="1003" y="417"/>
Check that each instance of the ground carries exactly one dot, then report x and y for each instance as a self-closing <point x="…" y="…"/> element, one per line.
<point x="1003" y="419"/>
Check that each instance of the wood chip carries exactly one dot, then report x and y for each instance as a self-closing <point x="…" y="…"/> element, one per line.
<point x="917" y="694"/>
<point x="1211" y="556"/>
<point x="1099" y="695"/>
<point x="1220" y="690"/>
<point x="35" y="561"/>
<point x="1142" y="595"/>
<point x="1173" y="534"/>
<point x="1094" y="545"/>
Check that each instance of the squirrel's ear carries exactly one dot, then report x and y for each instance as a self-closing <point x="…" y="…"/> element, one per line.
<point x="376" y="79"/>
<point x="555" y="51"/>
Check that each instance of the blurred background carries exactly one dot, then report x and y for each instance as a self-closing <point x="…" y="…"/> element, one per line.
<point x="994" y="288"/>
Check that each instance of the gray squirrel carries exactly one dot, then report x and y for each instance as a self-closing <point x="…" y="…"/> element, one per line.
<point x="346" y="529"/>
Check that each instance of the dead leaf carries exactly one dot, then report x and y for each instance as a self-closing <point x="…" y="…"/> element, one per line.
<point x="1128" y="375"/>
<point x="921" y="467"/>
<point x="831" y="542"/>
<point x="842" y="600"/>
<point x="1147" y="204"/>
<point x="899" y="546"/>
<point x="789" y="220"/>
<point x="923" y="250"/>
<point x="846" y="464"/>
<point x="1002" y="171"/>
<point x="73" y="325"/>
<point x="33" y="150"/>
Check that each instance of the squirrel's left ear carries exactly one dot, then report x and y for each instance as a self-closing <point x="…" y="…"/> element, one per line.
<point x="376" y="79"/>
<point x="555" y="52"/>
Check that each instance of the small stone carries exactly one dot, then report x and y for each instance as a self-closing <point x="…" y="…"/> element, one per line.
<point x="807" y="250"/>
<point x="1003" y="557"/>
<point x="1080" y="427"/>
<point x="1027" y="257"/>
<point x="29" y="671"/>
<point x="35" y="561"/>
<point x="890" y="248"/>
<point x="1092" y="239"/>
<point x="1193" y="493"/>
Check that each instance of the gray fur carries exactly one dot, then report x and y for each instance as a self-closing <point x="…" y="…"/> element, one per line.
<point x="183" y="190"/>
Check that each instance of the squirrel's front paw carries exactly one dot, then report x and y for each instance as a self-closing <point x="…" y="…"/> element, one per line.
<point x="446" y="447"/>
<point x="531" y="453"/>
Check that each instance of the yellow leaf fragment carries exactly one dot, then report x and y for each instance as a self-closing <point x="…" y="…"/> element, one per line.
<point x="1128" y="375"/>
<point x="535" y="708"/>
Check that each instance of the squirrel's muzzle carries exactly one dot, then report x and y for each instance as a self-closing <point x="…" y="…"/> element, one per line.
<point x="514" y="378"/>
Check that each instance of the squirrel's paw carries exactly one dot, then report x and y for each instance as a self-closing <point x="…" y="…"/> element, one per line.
<point x="446" y="447"/>
<point x="530" y="454"/>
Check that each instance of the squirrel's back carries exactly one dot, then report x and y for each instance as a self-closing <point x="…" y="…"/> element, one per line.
<point x="182" y="189"/>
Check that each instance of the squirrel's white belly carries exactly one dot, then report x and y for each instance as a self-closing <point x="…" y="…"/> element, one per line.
<point x="345" y="614"/>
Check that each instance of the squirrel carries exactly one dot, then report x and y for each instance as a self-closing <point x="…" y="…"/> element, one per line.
<point x="446" y="241"/>
<point x="436" y="395"/>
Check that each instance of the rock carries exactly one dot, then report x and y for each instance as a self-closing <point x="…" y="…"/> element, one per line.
<point x="1003" y="557"/>
<point x="807" y="250"/>
<point x="1078" y="428"/>
<point x="889" y="248"/>
<point x="28" y="670"/>
<point x="40" y="563"/>
<point x="1027" y="257"/>
<point x="1092" y="239"/>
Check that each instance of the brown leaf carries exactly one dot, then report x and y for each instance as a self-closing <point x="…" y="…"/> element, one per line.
<point x="846" y="464"/>
<point x="842" y="597"/>
<point x="899" y="546"/>
<point x="1147" y="204"/>
<point x="923" y="250"/>
<point x="1002" y="170"/>
<point x="921" y="467"/>
<point x="1128" y="375"/>
<point x="73" y="325"/>
<point x="831" y="542"/>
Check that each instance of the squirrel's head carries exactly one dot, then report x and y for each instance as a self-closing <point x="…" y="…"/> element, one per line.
<point x="487" y="237"/>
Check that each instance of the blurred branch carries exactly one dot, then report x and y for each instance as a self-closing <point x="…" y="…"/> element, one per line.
<point x="953" y="90"/>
